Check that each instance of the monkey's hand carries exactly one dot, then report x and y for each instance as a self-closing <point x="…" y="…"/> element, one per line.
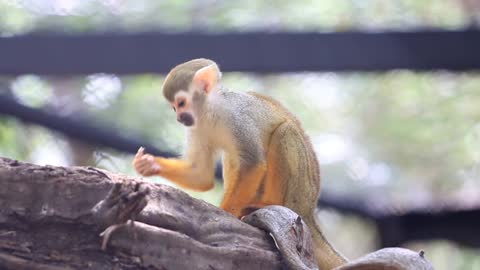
<point x="145" y="164"/>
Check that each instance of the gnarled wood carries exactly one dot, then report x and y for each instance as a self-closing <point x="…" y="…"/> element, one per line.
<point x="46" y="218"/>
<point x="51" y="218"/>
<point x="293" y="240"/>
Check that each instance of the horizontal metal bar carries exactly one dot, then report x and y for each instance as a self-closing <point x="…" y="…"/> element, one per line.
<point x="262" y="52"/>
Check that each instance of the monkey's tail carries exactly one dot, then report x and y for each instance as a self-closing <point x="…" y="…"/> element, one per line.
<point x="326" y="255"/>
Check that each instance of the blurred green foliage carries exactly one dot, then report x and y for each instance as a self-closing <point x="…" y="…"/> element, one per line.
<point x="17" y="16"/>
<point x="408" y="138"/>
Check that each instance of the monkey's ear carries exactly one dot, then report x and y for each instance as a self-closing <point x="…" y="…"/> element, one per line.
<point x="207" y="78"/>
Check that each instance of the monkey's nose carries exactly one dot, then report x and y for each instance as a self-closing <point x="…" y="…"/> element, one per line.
<point x="186" y="119"/>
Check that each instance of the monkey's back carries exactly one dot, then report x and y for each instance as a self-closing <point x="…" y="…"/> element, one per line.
<point x="250" y="121"/>
<point x="303" y="183"/>
<point x="293" y="176"/>
<point x="292" y="166"/>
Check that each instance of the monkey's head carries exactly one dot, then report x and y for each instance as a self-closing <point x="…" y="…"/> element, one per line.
<point x="187" y="86"/>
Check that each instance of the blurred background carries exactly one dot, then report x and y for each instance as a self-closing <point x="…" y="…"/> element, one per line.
<point x="399" y="149"/>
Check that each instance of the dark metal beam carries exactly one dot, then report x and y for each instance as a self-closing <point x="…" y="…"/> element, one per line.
<point x="395" y="229"/>
<point x="62" y="54"/>
<point x="459" y="225"/>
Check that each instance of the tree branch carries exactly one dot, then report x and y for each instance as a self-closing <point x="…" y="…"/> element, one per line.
<point x="54" y="212"/>
<point x="51" y="218"/>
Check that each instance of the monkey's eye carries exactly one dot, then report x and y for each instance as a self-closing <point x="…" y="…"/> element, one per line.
<point x="181" y="103"/>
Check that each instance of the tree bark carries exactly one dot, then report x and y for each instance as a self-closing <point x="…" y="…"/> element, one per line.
<point x="52" y="217"/>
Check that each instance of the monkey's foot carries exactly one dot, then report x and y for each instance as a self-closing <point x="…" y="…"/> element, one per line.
<point x="123" y="203"/>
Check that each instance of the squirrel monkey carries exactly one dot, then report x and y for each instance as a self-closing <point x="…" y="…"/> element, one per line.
<point x="267" y="157"/>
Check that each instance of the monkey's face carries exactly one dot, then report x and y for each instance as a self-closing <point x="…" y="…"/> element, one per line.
<point x="190" y="94"/>
<point x="183" y="107"/>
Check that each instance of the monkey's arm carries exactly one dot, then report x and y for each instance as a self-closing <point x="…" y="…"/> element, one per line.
<point x="195" y="175"/>
<point x="196" y="172"/>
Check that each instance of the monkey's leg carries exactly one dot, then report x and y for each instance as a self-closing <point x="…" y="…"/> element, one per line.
<point x="242" y="188"/>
